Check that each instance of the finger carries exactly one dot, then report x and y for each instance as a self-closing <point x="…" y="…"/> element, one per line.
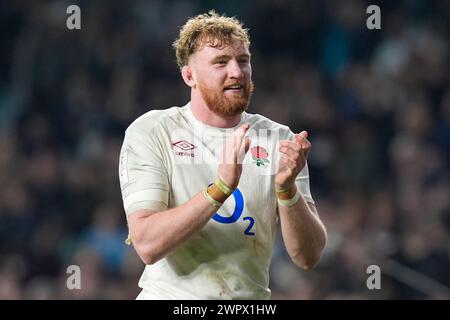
<point x="239" y="135"/>
<point x="290" y="145"/>
<point x="233" y="144"/>
<point x="290" y="153"/>
<point x="304" y="134"/>
<point x="284" y="167"/>
<point x="244" y="149"/>
<point x="300" y="139"/>
<point x="304" y="143"/>
<point x="227" y="149"/>
<point x="306" y="149"/>
<point x="247" y="144"/>
<point x="242" y="129"/>
<point x="291" y="164"/>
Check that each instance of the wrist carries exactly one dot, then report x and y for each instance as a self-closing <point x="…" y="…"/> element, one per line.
<point x="288" y="197"/>
<point x="223" y="186"/>
<point x="231" y="182"/>
<point x="286" y="193"/>
<point x="290" y="202"/>
<point x="214" y="195"/>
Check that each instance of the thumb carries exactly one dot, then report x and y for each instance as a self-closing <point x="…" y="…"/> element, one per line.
<point x="247" y="144"/>
<point x="304" y="134"/>
<point x="243" y="150"/>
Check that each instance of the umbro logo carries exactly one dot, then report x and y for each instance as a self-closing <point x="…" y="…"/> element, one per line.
<point x="184" y="145"/>
<point x="185" y="148"/>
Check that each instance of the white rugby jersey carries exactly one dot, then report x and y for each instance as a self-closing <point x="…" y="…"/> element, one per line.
<point x="167" y="157"/>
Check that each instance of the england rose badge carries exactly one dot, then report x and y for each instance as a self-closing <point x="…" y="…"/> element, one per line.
<point x="259" y="155"/>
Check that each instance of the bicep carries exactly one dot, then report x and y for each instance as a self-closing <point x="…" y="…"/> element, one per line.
<point x="135" y="220"/>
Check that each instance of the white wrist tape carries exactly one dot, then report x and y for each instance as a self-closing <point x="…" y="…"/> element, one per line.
<point x="290" y="202"/>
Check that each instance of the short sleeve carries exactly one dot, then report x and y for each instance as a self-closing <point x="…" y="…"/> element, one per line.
<point x="302" y="180"/>
<point x="142" y="174"/>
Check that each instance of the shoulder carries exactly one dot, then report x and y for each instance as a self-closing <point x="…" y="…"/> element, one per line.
<point x="259" y="122"/>
<point x="154" y="119"/>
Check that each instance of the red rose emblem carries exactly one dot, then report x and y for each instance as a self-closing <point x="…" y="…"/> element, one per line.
<point x="259" y="154"/>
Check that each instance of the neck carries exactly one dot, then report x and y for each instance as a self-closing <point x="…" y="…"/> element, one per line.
<point x="203" y="114"/>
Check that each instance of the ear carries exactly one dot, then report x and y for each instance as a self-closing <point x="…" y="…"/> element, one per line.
<point x="188" y="77"/>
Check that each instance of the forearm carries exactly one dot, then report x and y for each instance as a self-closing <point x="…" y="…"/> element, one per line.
<point x="303" y="233"/>
<point x="157" y="234"/>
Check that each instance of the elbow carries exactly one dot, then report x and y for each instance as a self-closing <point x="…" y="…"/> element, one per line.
<point x="310" y="263"/>
<point x="148" y="258"/>
<point x="147" y="254"/>
<point x="146" y="242"/>
<point x="307" y="260"/>
<point x="149" y="250"/>
<point x="306" y="263"/>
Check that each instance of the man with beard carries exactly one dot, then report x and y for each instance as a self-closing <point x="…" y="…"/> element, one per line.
<point x="201" y="209"/>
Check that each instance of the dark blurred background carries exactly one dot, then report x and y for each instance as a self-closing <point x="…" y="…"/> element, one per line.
<point x="376" y="104"/>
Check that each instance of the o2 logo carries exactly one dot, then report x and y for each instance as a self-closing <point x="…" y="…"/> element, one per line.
<point x="237" y="213"/>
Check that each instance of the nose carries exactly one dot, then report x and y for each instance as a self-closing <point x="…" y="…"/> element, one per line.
<point x="235" y="70"/>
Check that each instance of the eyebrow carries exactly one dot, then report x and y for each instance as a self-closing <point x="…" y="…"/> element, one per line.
<point x="226" y="56"/>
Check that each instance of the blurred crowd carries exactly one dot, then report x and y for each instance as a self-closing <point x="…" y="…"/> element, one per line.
<point x="375" y="102"/>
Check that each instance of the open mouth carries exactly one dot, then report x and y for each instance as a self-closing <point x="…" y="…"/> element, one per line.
<point x="235" y="87"/>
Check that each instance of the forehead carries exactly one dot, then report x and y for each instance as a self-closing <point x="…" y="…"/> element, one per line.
<point x="209" y="49"/>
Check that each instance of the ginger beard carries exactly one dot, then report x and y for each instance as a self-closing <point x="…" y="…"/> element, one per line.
<point x="227" y="104"/>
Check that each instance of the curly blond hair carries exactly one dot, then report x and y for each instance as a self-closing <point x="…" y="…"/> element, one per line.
<point x="208" y="28"/>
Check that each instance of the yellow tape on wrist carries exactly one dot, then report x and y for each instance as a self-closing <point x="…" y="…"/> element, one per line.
<point x="281" y="190"/>
<point x="213" y="201"/>
<point x="223" y="186"/>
